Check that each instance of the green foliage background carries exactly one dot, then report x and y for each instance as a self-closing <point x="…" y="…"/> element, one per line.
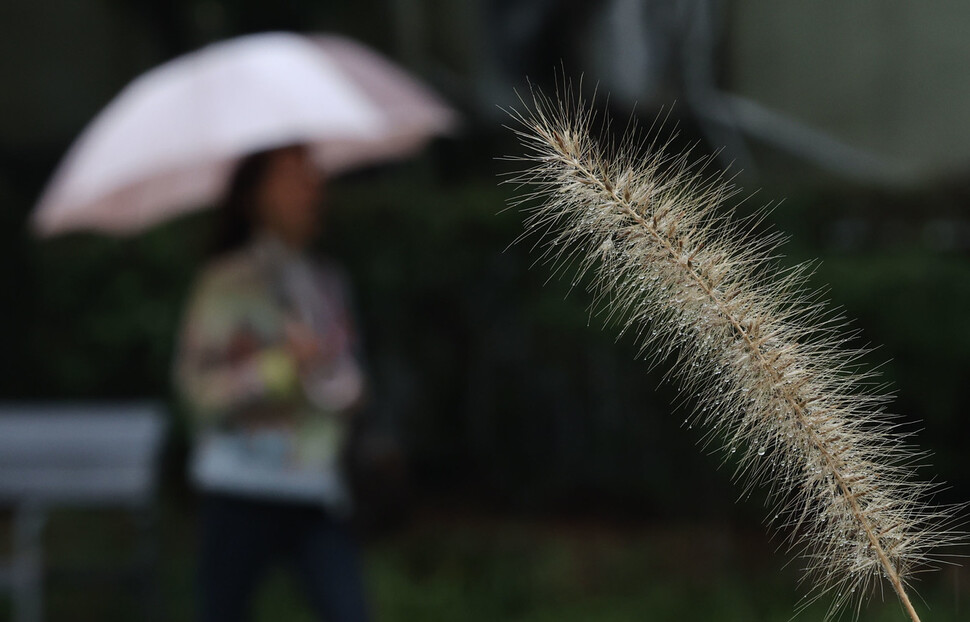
<point x="494" y="381"/>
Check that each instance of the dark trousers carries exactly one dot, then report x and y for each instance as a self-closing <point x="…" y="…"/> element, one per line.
<point x="243" y="538"/>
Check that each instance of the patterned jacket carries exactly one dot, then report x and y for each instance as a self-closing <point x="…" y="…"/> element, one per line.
<point x="265" y="426"/>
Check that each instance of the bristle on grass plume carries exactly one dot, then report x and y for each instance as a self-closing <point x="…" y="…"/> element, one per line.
<point x="767" y="360"/>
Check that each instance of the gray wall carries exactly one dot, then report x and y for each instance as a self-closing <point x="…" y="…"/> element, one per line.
<point x="892" y="77"/>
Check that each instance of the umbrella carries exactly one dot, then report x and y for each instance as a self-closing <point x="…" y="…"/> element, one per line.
<point x="168" y="142"/>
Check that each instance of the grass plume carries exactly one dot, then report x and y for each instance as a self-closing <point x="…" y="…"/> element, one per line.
<point x="769" y="362"/>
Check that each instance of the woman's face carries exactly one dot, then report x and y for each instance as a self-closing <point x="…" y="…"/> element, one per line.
<point x="289" y="197"/>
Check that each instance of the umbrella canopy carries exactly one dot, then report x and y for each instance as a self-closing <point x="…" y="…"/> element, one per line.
<point x="168" y="142"/>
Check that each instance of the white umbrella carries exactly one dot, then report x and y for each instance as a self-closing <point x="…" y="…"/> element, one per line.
<point x="168" y="142"/>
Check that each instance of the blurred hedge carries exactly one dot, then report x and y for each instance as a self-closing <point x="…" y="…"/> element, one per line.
<point x="497" y="384"/>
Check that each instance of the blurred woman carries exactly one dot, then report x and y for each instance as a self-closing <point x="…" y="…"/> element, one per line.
<point x="268" y="365"/>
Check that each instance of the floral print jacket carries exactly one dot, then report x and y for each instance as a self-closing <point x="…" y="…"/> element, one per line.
<point x="266" y="425"/>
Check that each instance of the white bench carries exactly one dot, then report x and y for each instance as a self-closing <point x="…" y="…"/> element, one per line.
<point x="73" y="455"/>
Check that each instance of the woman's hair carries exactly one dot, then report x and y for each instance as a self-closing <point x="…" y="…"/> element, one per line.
<point x="237" y="214"/>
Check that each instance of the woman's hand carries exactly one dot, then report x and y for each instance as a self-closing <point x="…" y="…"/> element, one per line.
<point x="310" y="348"/>
<point x="303" y="344"/>
<point x="244" y="343"/>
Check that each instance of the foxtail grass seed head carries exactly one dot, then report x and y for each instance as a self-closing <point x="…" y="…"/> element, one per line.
<point x="768" y="362"/>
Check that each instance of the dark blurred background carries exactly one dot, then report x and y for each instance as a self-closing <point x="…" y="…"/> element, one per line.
<point x="546" y="473"/>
